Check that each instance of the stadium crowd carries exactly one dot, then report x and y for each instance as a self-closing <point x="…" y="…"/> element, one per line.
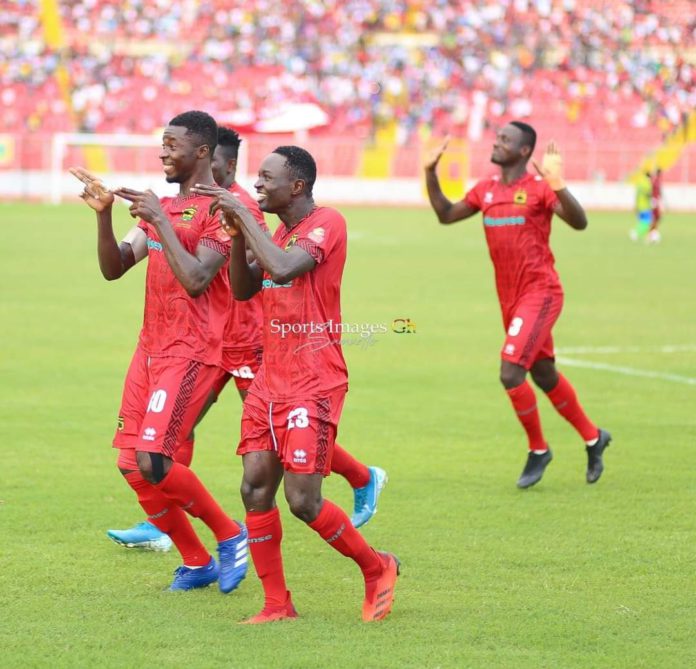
<point x="598" y="67"/>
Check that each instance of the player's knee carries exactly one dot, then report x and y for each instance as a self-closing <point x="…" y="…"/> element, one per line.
<point x="257" y="494"/>
<point x="544" y="375"/>
<point x="512" y="376"/>
<point x="153" y="466"/>
<point x="304" y="504"/>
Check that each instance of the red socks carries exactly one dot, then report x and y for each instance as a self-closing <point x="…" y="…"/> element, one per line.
<point x="169" y="518"/>
<point x="565" y="401"/>
<point x="333" y="526"/>
<point x="182" y="486"/>
<point x="265" y="536"/>
<point x="345" y="465"/>
<point x="524" y="402"/>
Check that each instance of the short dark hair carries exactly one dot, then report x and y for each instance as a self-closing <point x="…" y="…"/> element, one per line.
<point x="229" y="140"/>
<point x="201" y="124"/>
<point x="300" y="163"/>
<point x="528" y="133"/>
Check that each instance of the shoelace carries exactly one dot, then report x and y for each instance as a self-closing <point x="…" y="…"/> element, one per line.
<point x="360" y="497"/>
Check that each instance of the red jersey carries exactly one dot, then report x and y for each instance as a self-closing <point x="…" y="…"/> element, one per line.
<point x="517" y="221"/>
<point x="302" y="356"/>
<point x="244" y="328"/>
<point x="176" y="324"/>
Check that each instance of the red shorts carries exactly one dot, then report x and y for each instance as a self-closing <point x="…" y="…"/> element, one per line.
<point x="242" y="366"/>
<point x="529" y="324"/>
<point x="302" y="433"/>
<point x="162" y="398"/>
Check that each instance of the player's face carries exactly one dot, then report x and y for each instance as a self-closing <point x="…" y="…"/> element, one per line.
<point x="179" y="154"/>
<point x="221" y="167"/>
<point x="275" y="186"/>
<point x="507" y="146"/>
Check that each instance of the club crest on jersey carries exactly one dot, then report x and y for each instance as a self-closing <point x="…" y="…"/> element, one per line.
<point x="317" y="235"/>
<point x="520" y="197"/>
<point x="291" y="242"/>
<point x="188" y="214"/>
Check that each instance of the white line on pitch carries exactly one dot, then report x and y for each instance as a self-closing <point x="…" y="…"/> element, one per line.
<point x="628" y="371"/>
<point x="667" y="348"/>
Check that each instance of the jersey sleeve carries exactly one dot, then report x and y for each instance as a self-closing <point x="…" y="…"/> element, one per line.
<point x="213" y="236"/>
<point x="473" y="197"/>
<point x="327" y="233"/>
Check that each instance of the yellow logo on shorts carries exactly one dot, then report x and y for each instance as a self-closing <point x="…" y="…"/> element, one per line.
<point x="121" y="423"/>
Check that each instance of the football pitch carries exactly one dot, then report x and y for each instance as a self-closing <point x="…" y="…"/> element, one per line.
<point x="562" y="575"/>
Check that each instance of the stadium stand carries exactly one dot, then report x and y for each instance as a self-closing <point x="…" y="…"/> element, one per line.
<point x="610" y="80"/>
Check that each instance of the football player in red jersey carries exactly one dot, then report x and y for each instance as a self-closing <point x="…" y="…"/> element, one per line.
<point x="243" y="343"/>
<point x="291" y="414"/>
<point x="517" y="208"/>
<point x="180" y="346"/>
<point x="242" y="349"/>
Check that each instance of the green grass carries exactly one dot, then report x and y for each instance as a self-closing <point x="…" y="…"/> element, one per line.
<point x="562" y="575"/>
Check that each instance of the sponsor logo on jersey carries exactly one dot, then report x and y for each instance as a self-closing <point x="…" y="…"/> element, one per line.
<point x="494" y="221"/>
<point x="291" y="242"/>
<point x="268" y="283"/>
<point x="152" y="244"/>
<point x="520" y="197"/>
<point x="488" y="197"/>
<point x="299" y="456"/>
<point x="188" y="213"/>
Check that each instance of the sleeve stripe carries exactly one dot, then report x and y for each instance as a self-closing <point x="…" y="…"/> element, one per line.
<point x="215" y="245"/>
<point x="313" y="249"/>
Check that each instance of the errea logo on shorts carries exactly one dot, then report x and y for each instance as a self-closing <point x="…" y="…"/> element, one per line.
<point x="299" y="457"/>
<point x="149" y="434"/>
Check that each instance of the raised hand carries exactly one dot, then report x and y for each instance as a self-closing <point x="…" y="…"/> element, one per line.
<point x="551" y="167"/>
<point x="95" y="193"/>
<point x="145" y="205"/>
<point x="230" y="207"/>
<point x="433" y="156"/>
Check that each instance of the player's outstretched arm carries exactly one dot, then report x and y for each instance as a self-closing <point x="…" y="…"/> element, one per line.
<point x="551" y="169"/>
<point x="114" y="259"/>
<point x="447" y="211"/>
<point x="281" y="265"/>
<point x="194" y="271"/>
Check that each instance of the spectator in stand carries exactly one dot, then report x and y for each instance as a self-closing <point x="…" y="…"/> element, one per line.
<point x="367" y="61"/>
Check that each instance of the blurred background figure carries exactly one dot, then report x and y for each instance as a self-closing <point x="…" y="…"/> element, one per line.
<point x="643" y="207"/>
<point x="654" y="235"/>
